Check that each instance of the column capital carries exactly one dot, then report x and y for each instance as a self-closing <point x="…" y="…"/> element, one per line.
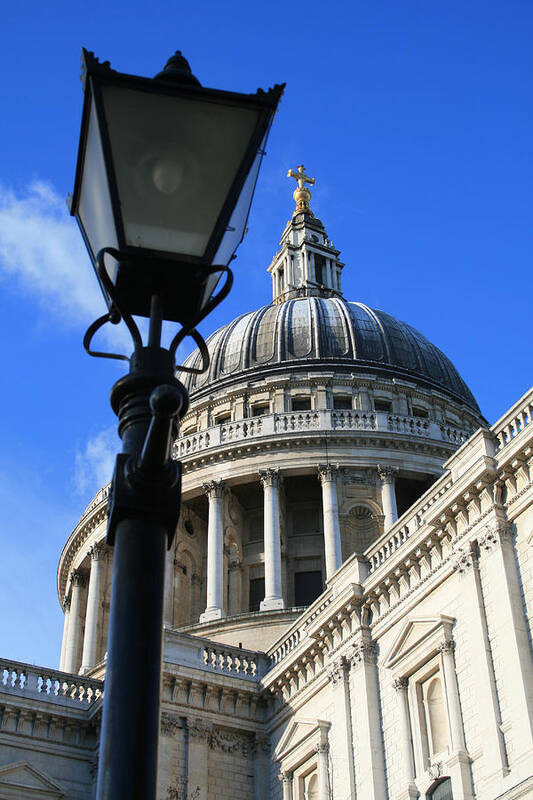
<point x="362" y="653"/>
<point x="335" y="671"/>
<point x="496" y="535"/>
<point x="285" y="777"/>
<point x="199" y="729"/>
<point x="327" y="472"/>
<point x="269" y="477"/>
<point x="66" y="603"/>
<point x="447" y="646"/>
<point x="213" y="489"/>
<point x="386" y="473"/>
<point x="78" y="578"/>
<point x="465" y="561"/>
<point x="98" y="551"/>
<point x="400" y="685"/>
<point x="322" y="747"/>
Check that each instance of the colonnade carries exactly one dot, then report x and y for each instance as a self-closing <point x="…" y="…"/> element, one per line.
<point x="271" y="482"/>
<point x="80" y="642"/>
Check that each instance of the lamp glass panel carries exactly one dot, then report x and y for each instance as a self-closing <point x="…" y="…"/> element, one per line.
<point x="236" y="229"/>
<point x="94" y="207"/>
<point x="175" y="161"/>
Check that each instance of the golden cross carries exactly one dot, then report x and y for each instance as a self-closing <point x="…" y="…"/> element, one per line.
<point x="300" y="176"/>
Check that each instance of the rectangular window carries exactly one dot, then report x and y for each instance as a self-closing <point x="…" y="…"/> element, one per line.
<point x="420" y="412"/>
<point x="222" y="418"/>
<point x="301" y="404"/>
<point x="382" y="405"/>
<point x="259" y="410"/>
<point x="307" y="587"/>
<point x="257" y="593"/>
<point x="342" y="403"/>
<point x="320" y="269"/>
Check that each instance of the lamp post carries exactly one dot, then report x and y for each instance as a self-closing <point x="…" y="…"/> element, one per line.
<point x="164" y="181"/>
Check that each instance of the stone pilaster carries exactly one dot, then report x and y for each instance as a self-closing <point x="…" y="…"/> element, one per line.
<point x="270" y="481"/>
<point x="322" y="755"/>
<point x="286" y="783"/>
<point x="510" y="634"/>
<point x="366" y="723"/>
<point x="327" y="474"/>
<point x="343" y="775"/>
<point x="401" y="686"/>
<point x="466" y="566"/>
<point x="215" y="552"/>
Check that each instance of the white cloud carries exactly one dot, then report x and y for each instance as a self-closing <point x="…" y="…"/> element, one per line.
<point x="41" y="248"/>
<point x="94" y="465"/>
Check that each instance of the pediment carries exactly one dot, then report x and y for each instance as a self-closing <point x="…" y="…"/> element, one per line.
<point x="20" y="776"/>
<point x="416" y="632"/>
<point x="299" y="739"/>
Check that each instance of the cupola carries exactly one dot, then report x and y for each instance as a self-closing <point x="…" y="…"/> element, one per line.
<point x="308" y="264"/>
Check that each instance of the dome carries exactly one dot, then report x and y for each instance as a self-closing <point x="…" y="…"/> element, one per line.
<point x="326" y="330"/>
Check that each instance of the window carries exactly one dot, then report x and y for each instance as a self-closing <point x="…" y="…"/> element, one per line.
<point x="226" y="417"/>
<point x="260" y="409"/>
<point x="436" y="727"/>
<point x="307" y="587"/>
<point x="257" y="593"/>
<point x="320" y="269"/>
<point x="382" y="405"/>
<point x="281" y="278"/>
<point x="442" y="791"/>
<point x="301" y="404"/>
<point x="341" y="402"/>
<point x="420" y="412"/>
<point x="190" y="429"/>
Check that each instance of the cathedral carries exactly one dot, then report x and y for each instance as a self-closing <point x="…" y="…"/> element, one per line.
<point x="349" y="594"/>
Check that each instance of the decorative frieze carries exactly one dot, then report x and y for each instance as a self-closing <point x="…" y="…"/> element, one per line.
<point x="495" y="536"/>
<point x="170" y="724"/>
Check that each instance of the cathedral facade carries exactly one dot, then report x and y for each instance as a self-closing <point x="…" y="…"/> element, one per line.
<point x="349" y="595"/>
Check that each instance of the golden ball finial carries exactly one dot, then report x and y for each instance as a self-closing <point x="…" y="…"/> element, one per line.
<point x="301" y="194"/>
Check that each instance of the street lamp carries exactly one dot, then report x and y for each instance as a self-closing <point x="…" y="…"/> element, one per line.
<point x="164" y="181"/>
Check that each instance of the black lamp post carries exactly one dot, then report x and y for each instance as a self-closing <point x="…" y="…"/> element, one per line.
<point x="165" y="178"/>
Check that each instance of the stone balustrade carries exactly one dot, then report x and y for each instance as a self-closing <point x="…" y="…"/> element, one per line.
<point x="100" y="497"/>
<point x="205" y="655"/>
<point x="315" y="421"/>
<point x="515" y="421"/>
<point x="42" y="683"/>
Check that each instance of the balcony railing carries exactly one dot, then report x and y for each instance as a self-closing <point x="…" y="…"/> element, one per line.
<point x="295" y="422"/>
<point x="43" y="683"/>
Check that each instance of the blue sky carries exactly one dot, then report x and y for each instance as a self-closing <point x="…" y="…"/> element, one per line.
<point x="414" y="116"/>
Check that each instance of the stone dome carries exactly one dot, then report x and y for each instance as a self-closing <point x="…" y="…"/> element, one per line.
<point x="326" y="330"/>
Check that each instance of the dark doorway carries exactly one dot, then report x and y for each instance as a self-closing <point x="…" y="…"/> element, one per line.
<point x="257" y="593"/>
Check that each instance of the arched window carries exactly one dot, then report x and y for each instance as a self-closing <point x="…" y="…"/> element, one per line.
<point x="442" y="791"/>
<point x="311" y="787"/>
<point x="435" y="715"/>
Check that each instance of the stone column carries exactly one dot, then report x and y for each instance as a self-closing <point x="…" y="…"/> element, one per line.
<point x="94" y="604"/>
<point x="401" y="685"/>
<point x="511" y="638"/>
<point x="286" y="782"/>
<point x="327" y="474"/>
<point x="77" y="580"/>
<point x="66" y="611"/>
<point x="370" y="776"/>
<point x="322" y="751"/>
<point x="270" y="481"/>
<point x="215" y="552"/>
<point x="388" y="495"/>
